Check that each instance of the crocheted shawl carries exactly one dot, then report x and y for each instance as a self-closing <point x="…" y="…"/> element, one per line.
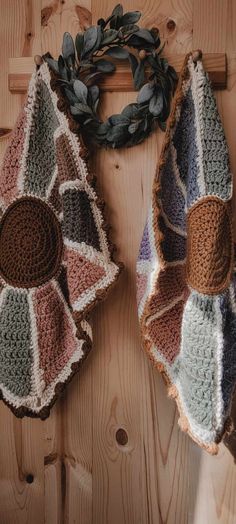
<point x="186" y="288"/>
<point x="56" y="261"/>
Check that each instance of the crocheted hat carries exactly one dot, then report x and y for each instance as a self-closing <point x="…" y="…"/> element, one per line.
<point x="186" y="286"/>
<point x="55" y="258"/>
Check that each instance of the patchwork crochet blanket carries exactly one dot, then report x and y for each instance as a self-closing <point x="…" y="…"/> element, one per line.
<point x="56" y="260"/>
<point x="185" y="281"/>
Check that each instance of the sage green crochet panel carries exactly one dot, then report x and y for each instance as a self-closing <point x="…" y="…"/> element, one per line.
<point x="41" y="158"/>
<point x="15" y="343"/>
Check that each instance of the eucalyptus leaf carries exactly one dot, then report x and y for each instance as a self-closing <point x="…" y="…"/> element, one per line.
<point x="116" y="133"/>
<point x="62" y="68"/>
<point x="79" y="42"/>
<point x="115" y="22"/>
<point x="90" y="38"/>
<point x="109" y="36"/>
<point x="101" y="22"/>
<point x="145" y="93"/>
<point x="165" y="65"/>
<point x="99" y="39"/>
<point x="103" y="128"/>
<point x="138" y="42"/>
<point x="173" y="73"/>
<point x="145" y="123"/>
<point x="96" y="105"/>
<point x="133" y="62"/>
<point x="162" y="125"/>
<point x="156" y="103"/>
<point x="117" y="52"/>
<point x="87" y="121"/>
<point x="68" y="48"/>
<point x="118" y="10"/>
<point x="130" y="18"/>
<point x="133" y="127"/>
<point x="118" y="119"/>
<point x="81" y="91"/>
<point x="94" y="93"/>
<point x="86" y="65"/>
<point x="80" y="108"/>
<point x="89" y="80"/>
<point x="52" y="63"/>
<point x="128" y="29"/>
<point x="105" y="66"/>
<point x="153" y="62"/>
<point x="70" y="96"/>
<point x="139" y="76"/>
<point x="131" y="111"/>
<point x="146" y="35"/>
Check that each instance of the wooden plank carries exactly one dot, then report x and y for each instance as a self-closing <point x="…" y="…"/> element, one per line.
<point x="20" y="35"/>
<point x="146" y="480"/>
<point x="68" y="461"/>
<point x="22" y="442"/>
<point x="20" y="70"/>
<point x="111" y="451"/>
<point x="213" y="24"/>
<point x="227" y="103"/>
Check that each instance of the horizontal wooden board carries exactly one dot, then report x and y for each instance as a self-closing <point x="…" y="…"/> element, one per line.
<point x="20" y="70"/>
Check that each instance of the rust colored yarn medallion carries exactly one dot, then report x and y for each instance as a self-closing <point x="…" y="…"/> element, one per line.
<point x="30" y="243"/>
<point x="209" y="245"/>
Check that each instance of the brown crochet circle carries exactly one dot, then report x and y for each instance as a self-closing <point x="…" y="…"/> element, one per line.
<point x="30" y="243"/>
<point x="209" y="245"/>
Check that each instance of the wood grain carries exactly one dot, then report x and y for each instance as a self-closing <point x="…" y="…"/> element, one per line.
<point x="111" y="451"/>
<point x="20" y="70"/>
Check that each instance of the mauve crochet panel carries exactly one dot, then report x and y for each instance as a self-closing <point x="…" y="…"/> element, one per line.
<point x="56" y="261"/>
<point x="185" y="279"/>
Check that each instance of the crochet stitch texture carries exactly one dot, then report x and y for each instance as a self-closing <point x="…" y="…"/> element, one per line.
<point x="56" y="260"/>
<point x="185" y="281"/>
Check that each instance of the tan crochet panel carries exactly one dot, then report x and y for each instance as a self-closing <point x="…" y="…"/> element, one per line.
<point x="209" y="245"/>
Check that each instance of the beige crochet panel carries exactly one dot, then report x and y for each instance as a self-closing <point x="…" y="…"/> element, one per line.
<point x="111" y="451"/>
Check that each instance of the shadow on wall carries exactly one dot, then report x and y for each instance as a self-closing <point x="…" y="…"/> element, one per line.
<point x="230" y="440"/>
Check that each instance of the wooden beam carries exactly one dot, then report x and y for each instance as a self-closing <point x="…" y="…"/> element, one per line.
<point x="20" y="70"/>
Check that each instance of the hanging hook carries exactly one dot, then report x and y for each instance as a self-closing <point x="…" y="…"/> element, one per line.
<point x="197" y="55"/>
<point x="38" y="61"/>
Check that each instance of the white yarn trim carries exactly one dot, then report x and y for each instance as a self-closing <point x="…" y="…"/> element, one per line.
<point x="47" y="395"/>
<point x="164" y="310"/>
<point x="38" y="384"/>
<point x="171" y="226"/>
<point x="29" y="110"/>
<point x="154" y="266"/>
<point x="198" y="78"/>
<point x="219" y="405"/>
<point x="179" y="182"/>
<point x="51" y="184"/>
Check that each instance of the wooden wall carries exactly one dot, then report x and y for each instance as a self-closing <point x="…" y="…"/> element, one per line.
<point x="111" y="451"/>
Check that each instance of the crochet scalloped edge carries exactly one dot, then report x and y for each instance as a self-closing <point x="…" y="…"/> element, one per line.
<point x="44" y="413"/>
<point x="172" y="390"/>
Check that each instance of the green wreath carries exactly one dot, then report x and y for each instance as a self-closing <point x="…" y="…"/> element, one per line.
<point x="81" y="65"/>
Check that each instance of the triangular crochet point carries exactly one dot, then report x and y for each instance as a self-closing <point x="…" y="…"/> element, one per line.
<point x="185" y="279"/>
